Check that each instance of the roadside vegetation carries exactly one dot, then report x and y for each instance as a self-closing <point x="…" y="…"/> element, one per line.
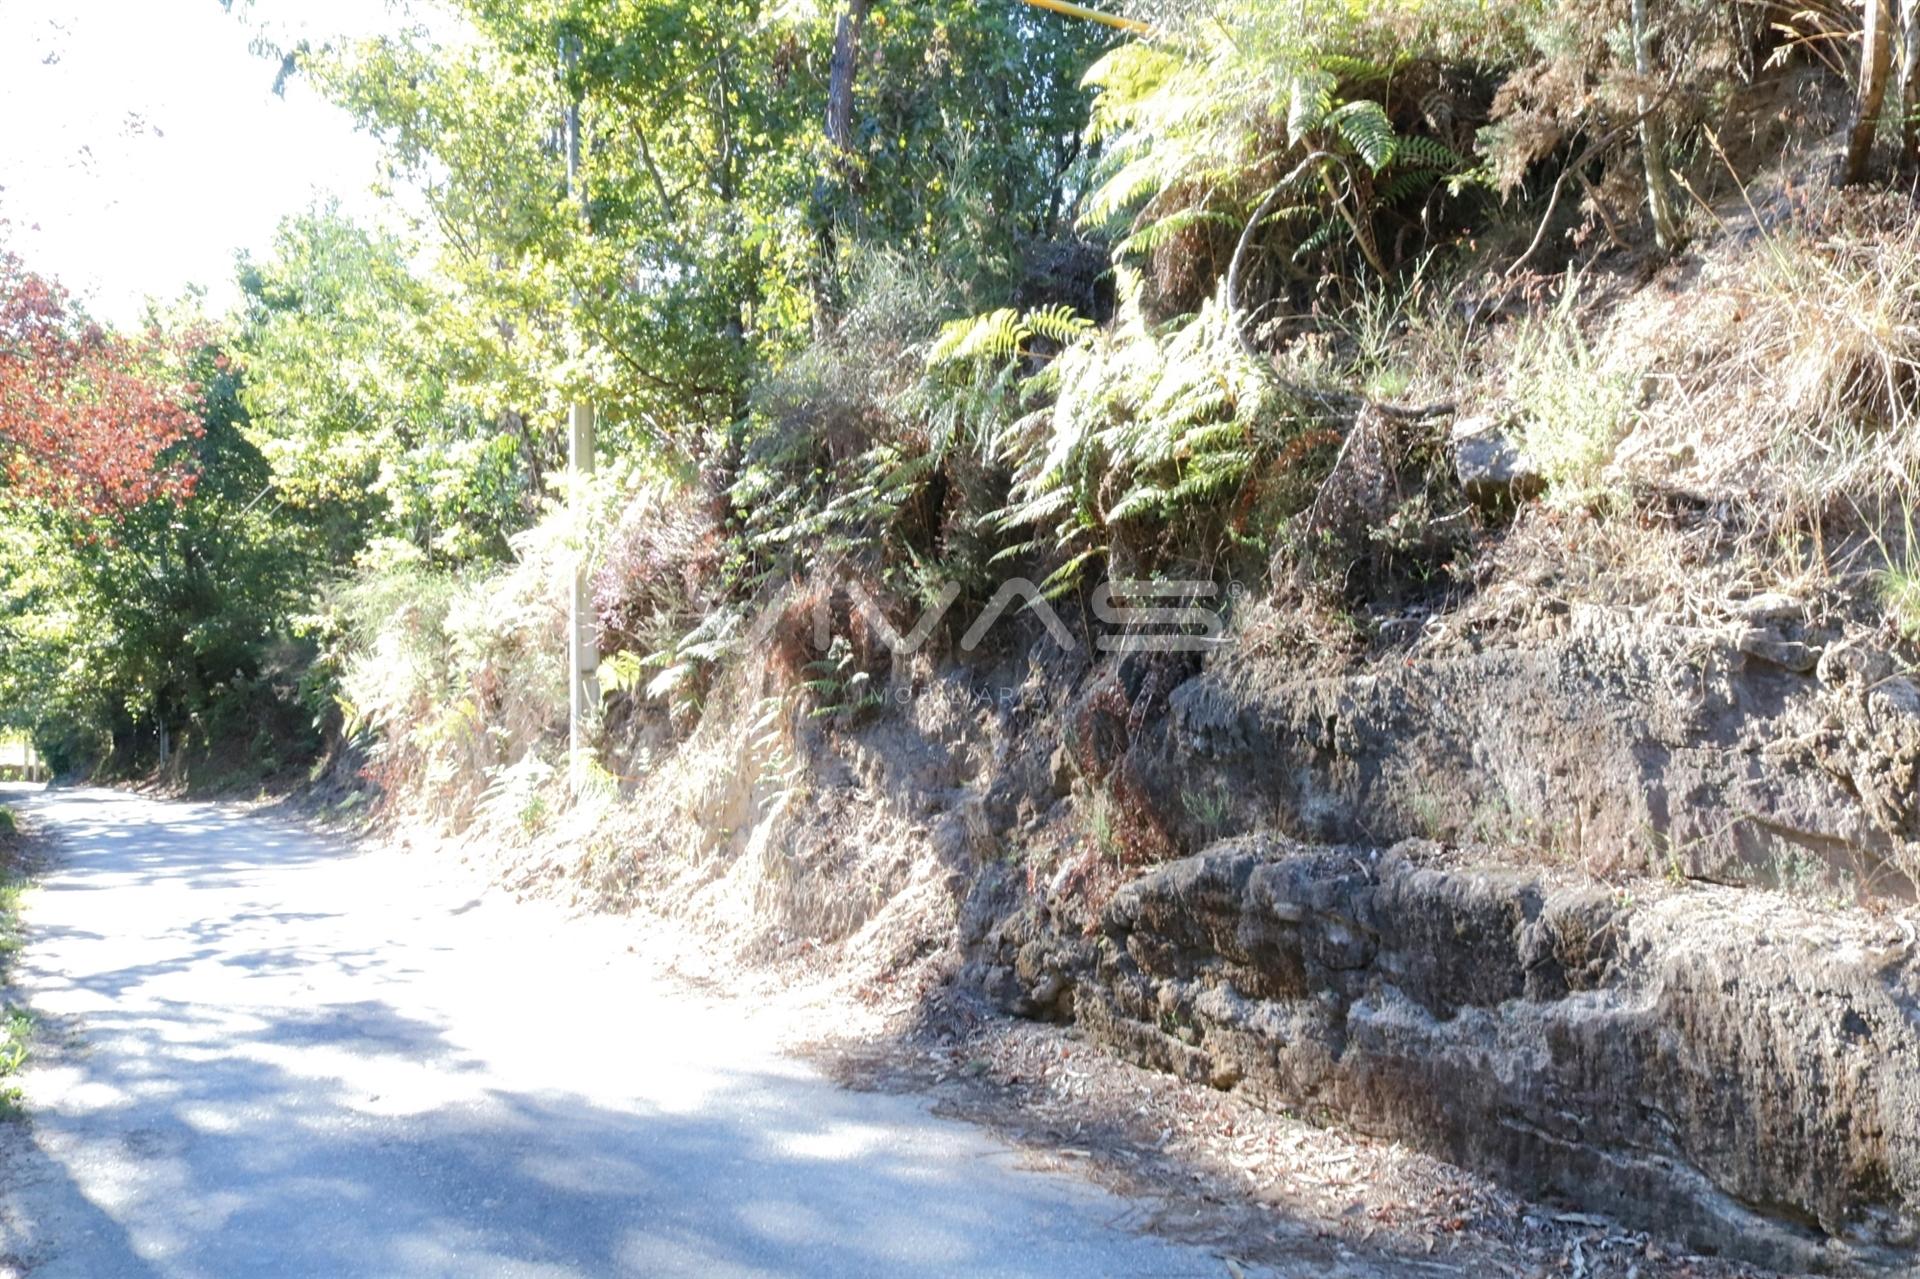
<point x="16" y="1024"/>
<point x="925" y="297"/>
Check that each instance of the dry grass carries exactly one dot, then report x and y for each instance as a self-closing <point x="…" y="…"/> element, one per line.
<point x="1786" y="365"/>
<point x="1833" y="334"/>
<point x="1577" y="401"/>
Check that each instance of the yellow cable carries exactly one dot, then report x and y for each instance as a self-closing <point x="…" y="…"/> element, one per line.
<point x="1092" y="15"/>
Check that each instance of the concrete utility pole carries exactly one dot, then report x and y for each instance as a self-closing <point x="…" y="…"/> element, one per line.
<point x="583" y="666"/>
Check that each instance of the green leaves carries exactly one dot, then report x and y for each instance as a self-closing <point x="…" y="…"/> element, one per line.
<point x="1189" y="124"/>
<point x="1364" y="126"/>
<point x="997" y="335"/>
<point x="1004" y="335"/>
<point x="1311" y="103"/>
<point x="1152" y="432"/>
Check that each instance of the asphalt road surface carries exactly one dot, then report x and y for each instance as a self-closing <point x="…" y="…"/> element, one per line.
<point x="266" y="1054"/>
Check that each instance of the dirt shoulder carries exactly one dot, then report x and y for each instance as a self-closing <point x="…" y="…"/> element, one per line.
<point x="1267" y="1190"/>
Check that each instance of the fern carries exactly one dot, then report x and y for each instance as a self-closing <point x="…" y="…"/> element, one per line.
<point x="1060" y="323"/>
<point x="1151" y="433"/>
<point x="1312" y="100"/>
<point x="1187" y="128"/>
<point x="1364" y="125"/>
<point x="1154" y="233"/>
<point x="998" y="334"/>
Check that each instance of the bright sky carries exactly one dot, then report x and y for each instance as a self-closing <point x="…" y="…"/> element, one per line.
<point x="143" y="146"/>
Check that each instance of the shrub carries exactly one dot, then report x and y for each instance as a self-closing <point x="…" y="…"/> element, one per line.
<point x="1157" y="442"/>
<point x="1575" y="408"/>
<point x="660" y="572"/>
<point x="1309" y="118"/>
<point x="1835" y="336"/>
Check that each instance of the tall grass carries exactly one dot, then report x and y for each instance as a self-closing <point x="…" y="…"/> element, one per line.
<point x="1575" y="406"/>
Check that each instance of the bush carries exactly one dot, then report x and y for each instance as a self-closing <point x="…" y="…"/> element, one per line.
<point x="660" y="572"/>
<point x="1341" y="131"/>
<point x="1574" y="407"/>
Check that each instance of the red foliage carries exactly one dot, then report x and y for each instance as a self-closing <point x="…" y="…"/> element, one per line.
<point x="87" y="418"/>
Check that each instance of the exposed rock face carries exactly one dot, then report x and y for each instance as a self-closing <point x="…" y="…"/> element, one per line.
<point x="1718" y="1065"/>
<point x="1729" y="1066"/>
<point x="1759" y="758"/>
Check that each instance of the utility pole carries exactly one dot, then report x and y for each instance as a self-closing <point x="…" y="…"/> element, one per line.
<point x="583" y="665"/>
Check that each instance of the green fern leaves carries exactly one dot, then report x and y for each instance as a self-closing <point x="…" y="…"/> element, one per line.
<point x="1312" y="103"/>
<point x="1363" y="125"/>
<point x="1188" y="127"/>
<point x="1004" y="335"/>
<point x="1147" y="434"/>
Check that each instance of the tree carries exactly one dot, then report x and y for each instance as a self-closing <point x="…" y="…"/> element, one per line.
<point x="381" y="409"/>
<point x="1662" y="205"/>
<point x="90" y="421"/>
<point x="122" y="633"/>
<point x="1876" y="63"/>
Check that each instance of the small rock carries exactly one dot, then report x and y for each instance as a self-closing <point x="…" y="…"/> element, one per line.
<point x="1060" y="770"/>
<point x="1048" y="992"/>
<point x="1773" y="606"/>
<point x="1854" y="659"/>
<point x="1492" y="469"/>
<point x="1775" y="650"/>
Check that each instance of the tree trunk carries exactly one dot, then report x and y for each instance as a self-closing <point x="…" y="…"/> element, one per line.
<point x="846" y="53"/>
<point x="1909" y="101"/>
<point x="835" y="178"/>
<point x="1876" y="61"/>
<point x="1661" y="204"/>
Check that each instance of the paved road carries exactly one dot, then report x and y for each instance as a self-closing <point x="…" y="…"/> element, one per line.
<point x="271" y="1056"/>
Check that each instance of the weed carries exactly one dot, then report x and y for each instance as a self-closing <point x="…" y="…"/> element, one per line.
<point x="1676" y="870"/>
<point x="1575" y="408"/>
<point x="1429" y="816"/>
<point x="1898" y="582"/>
<point x="16" y="1029"/>
<point x="11" y="938"/>
<point x="839" y="686"/>
<point x="1208" y="806"/>
<point x="1100" y="827"/>
<point x="1800" y="874"/>
<point x="1899" y="589"/>
<point x="516" y="799"/>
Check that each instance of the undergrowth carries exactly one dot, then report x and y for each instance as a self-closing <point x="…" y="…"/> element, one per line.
<point x="1329" y="231"/>
<point x="1574" y="406"/>
<point x="16" y="1023"/>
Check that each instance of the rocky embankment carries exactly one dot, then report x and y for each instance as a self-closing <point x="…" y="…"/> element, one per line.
<point x="1734" y="1070"/>
<point x="1656" y="961"/>
<point x="1617" y="911"/>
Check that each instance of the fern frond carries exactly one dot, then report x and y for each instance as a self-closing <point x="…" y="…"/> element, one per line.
<point x="1146" y="499"/>
<point x="1428" y="153"/>
<point x="997" y="333"/>
<point x="1161" y="231"/>
<point x="1059" y="323"/>
<point x="1363" y="123"/>
<point x="1311" y="104"/>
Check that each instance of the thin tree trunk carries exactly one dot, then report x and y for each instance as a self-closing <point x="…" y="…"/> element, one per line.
<point x="846" y="55"/>
<point x="1661" y="204"/>
<point x="837" y="177"/>
<point x="1909" y="70"/>
<point x="1876" y="61"/>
